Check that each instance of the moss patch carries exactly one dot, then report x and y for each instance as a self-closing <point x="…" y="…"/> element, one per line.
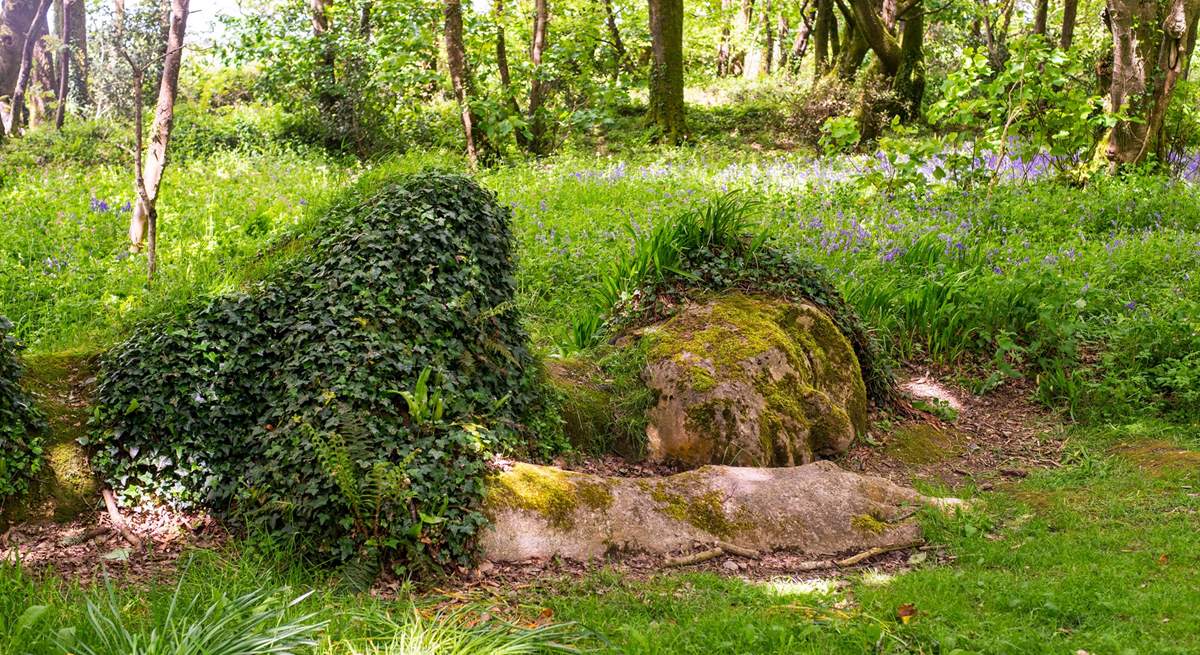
<point x="868" y="524"/>
<point x="552" y="493"/>
<point x="1159" y="458"/>
<point x="704" y="510"/>
<point x="921" y="443"/>
<point x="602" y="400"/>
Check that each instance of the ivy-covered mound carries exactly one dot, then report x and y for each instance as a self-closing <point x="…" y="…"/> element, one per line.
<point x="343" y="399"/>
<point x="20" y="422"/>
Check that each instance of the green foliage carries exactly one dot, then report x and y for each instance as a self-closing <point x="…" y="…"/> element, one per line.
<point x="839" y="134"/>
<point x="713" y="248"/>
<point x="20" y="422"/>
<point x="233" y="405"/>
<point x="457" y="632"/>
<point x="254" y="623"/>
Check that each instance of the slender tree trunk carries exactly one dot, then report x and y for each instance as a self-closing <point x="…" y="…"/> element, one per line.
<point x="759" y="44"/>
<point x="537" y="119"/>
<point x="144" y="223"/>
<point x="42" y="74"/>
<point x="726" y="46"/>
<point x="505" y="75"/>
<point x="460" y="79"/>
<point x="19" y="113"/>
<point x="821" y="38"/>
<point x="783" y="33"/>
<point x="327" y="64"/>
<point x="666" y="72"/>
<point x="75" y="29"/>
<point x="1070" y="7"/>
<point x="803" y="35"/>
<point x="620" y="57"/>
<point x="16" y="17"/>
<point x="853" y="51"/>
<point x="1041" y="11"/>
<point x="1150" y="41"/>
<point x="741" y="35"/>
<point x="64" y="63"/>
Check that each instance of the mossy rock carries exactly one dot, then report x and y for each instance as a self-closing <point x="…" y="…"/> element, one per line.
<point x="752" y="381"/>
<point x="818" y="509"/>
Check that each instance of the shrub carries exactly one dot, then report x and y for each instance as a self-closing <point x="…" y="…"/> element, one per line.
<point x="20" y="445"/>
<point x="268" y="406"/>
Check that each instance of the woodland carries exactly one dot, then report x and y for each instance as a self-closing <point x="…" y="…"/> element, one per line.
<point x="398" y="327"/>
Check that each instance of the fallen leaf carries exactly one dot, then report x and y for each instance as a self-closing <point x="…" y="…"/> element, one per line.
<point x="906" y="612"/>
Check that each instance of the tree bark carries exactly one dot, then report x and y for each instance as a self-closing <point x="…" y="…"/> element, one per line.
<point x="460" y="79"/>
<point x="759" y="44"/>
<point x="502" y="66"/>
<point x="75" y="29"/>
<point x="1070" y="7"/>
<point x="909" y="83"/>
<point x="43" y="76"/>
<point x="1041" y="11"/>
<point x="725" y="47"/>
<point x="1150" y="51"/>
<point x="619" y="54"/>
<point x="666" y="72"/>
<point x="803" y="35"/>
<point x="821" y="38"/>
<point x="882" y="41"/>
<point x="537" y="119"/>
<point x="741" y="34"/>
<point x="16" y="17"/>
<point x="144" y="225"/>
<point x="327" y="64"/>
<point x="64" y="63"/>
<point x="23" y="71"/>
<point x="783" y="31"/>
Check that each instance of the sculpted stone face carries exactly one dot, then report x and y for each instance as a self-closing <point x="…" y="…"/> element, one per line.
<point x="752" y="381"/>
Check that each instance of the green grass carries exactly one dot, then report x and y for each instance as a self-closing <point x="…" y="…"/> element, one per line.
<point x="1098" y="555"/>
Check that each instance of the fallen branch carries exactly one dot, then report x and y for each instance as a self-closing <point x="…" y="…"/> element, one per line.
<point x="688" y="560"/>
<point x="118" y="521"/>
<point x="84" y="537"/>
<point x="734" y="549"/>
<point x="814" y="565"/>
<point x="872" y="552"/>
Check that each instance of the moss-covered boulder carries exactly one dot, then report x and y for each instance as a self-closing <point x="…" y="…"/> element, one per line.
<point x="818" y="509"/>
<point x="752" y="381"/>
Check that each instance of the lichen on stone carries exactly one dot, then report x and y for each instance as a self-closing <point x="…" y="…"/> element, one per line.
<point x="704" y="510"/>
<point x="552" y="493"/>
<point x="869" y="524"/>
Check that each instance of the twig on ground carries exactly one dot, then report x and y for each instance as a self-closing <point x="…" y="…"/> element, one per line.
<point x="814" y="565"/>
<point x="872" y="552"/>
<point x="84" y="537"/>
<point x="118" y="521"/>
<point x="734" y="549"/>
<point x="696" y="558"/>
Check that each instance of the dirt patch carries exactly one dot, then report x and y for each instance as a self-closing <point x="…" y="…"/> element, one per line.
<point x="1159" y="458"/>
<point x="965" y="439"/>
<point x="88" y="548"/>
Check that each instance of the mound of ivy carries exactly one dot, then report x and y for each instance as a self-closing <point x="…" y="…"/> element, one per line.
<point x="20" y="422"/>
<point x="715" y="249"/>
<point x="352" y="399"/>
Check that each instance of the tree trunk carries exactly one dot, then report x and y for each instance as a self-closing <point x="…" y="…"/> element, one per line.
<point x="821" y="38"/>
<point x="741" y="34"/>
<point x="537" y="119"/>
<point x="909" y="83"/>
<point x="505" y="74"/>
<point x="666" y="72"/>
<point x="460" y="79"/>
<point x="64" y="63"/>
<point x="803" y="35"/>
<point x="996" y="33"/>
<point x="759" y="45"/>
<point x="783" y="32"/>
<point x="42" y="74"/>
<point x="1150" y="41"/>
<point x="32" y="36"/>
<point x="143" y="224"/>
<point x="1041" y="11"/>
<point x="75" y="29"/>
<point x="614" y="34"/>
<point x="725" y="47"/>
<point x="882" y="41"/>
<point x="327" y="65"/>
<point x="16" y="16"/>
<point x="1070" y="7"/>
<point x="852" y="54"/>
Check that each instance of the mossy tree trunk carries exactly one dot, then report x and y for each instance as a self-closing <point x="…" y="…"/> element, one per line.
<point x="909" y="81"/>
<point x="821" y="37"/>
<point x="1150" y="41"/>
<point x="667" y="111"/>
<point x="33" y="34"/>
